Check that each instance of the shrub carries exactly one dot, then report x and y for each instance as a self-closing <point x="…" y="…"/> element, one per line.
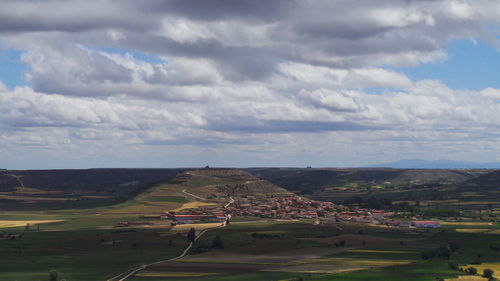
<point x="472" y="270"/>
<point x="217" y="243"/>
<point x="488" y="273"/>
<point x="53" y="275"/>
<point x="453" y="265"/>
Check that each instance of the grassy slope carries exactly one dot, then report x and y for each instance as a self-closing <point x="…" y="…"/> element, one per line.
<point x="75" y="248"/>
<point x="456" y="189"/>
<point x="66" y="189"/>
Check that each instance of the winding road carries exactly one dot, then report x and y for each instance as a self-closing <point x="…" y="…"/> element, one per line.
<point x="128" y="273"/>
<point x="123" y="276"/>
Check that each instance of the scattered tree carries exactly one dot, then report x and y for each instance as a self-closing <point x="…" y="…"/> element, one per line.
<point x="191" y="236"/>
<point x="53" y="275"/>
<point x="217" y="243"/>
<point x="472" y="270"/>
<point x="488" y="273"/>
<point x="453" y="246"/>
<point x="453" y="265"/>
<point x="495" y="248"/>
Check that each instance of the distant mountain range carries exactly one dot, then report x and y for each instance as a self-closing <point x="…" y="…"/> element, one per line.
<point x="436" y="164"/>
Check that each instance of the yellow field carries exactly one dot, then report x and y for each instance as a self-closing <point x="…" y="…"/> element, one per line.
<point x="379" y="251"/>
<point x="174" y="274"/>
<point x="33" y="198"/>
<point x="192" y="205"/>
<point x="331" y="265"/>
<point x="144" y="208"/>
<point x="495" y="266"/>
<point x="97" y="196"/>
<point x="463" y="223"/>
<point x="6" y="224"/>
<point x="471" y="194"/>
<point x="468" y="278"/>
<point x="471" y="230"/>
<point x="30" y="191"/>
<point x="197" y="226"/>
<point x="477" y="202"/>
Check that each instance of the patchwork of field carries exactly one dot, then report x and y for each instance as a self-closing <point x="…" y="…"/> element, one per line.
<point x="468" y="223"/>
<point x="174" y="274"/>
<point x="468" y="278"/>
<point x="197" y="226"/>
<point x="24" y="223"/>
<point x="291" y="249"/>
<point x="193" y="205"/>
<point x="85" y="245"/>
<point x="280" y="250"/>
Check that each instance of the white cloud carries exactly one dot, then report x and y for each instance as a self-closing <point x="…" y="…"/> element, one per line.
<point x="281" y="77"/>
<point x="491" y="93"/>
<point x="335" y="101"/>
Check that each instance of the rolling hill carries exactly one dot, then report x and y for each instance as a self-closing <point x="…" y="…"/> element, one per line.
<point x="436" y="164"/>
<point x="48" y="189"/>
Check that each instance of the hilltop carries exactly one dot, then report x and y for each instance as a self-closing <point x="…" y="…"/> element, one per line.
<point x="63" y="189"/>
<point x="222" y="183"/>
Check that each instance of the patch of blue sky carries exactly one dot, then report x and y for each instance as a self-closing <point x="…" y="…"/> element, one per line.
<point x="379" y="90"/>
<point x="471" y="65"/>
<point x="146" y="57"/>
<point x="12" y="68"/>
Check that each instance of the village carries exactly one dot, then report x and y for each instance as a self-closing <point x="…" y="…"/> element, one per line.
<point x="286" y="207"/>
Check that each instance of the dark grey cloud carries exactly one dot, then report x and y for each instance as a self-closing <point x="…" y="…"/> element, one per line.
<point x="265" y="75"/>
<point x="262" y="10"/>
<point x="338" y="33"/>
<point x="70" y="16"/>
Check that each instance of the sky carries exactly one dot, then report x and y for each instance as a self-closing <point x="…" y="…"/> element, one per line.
<point x="242" y="83"/>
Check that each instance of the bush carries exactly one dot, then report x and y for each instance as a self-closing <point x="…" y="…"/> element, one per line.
<point x="217" y="243"/>
<point x="424" y="255"/>
<point x="488" y="273"/>
<point x="495" y="248"/>
<point x="453" y="246"/>
<point x="191" y="236"/>
<point x="472" y="270"/>
<point x="453" y="265"/>
<point x="53" y="275"/>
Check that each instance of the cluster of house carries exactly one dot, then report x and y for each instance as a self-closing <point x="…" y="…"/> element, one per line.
<point x="280" y="207"/>
<point x="381" y="217"/>
<point x="285" y="207"/>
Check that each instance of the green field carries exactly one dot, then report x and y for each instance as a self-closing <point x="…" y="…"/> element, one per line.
<point x="85" y="245"/>
<point x="283" y="251"/>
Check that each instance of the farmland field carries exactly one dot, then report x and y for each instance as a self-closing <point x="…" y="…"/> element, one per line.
<point x="33" y="242"/>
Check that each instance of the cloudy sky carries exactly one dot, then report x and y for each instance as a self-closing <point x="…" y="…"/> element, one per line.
<point x="170" y="83"/>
